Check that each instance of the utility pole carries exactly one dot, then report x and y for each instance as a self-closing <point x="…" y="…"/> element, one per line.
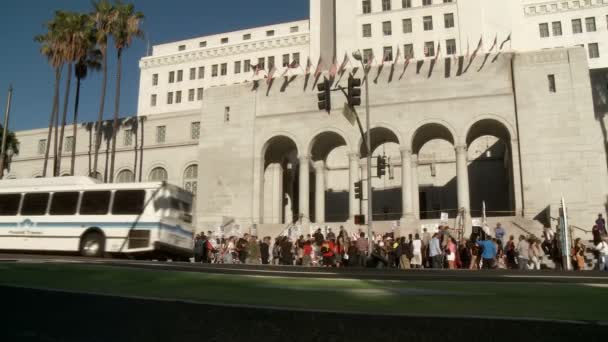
<point x="5" y="131"/>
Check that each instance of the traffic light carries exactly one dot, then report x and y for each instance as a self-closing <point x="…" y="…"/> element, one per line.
<point x="324" y="95"/>
<point x="358" y="189"/>
<point x="354" y="91"/>
<point x="360" y="219"/>
<point x="381" y="166"/>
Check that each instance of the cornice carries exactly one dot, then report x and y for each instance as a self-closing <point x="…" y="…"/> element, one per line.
<point x="560" y="8"/>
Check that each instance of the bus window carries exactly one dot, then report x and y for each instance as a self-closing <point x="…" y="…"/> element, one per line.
<point x="128" y="202"/>
<point x="95" y="203"/>
<point x="64" y="203"/>
<point x="9" y="204"/>
<point x="35" y="204"/>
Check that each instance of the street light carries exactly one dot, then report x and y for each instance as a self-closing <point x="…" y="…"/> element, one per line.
<point x="359" y="57"/>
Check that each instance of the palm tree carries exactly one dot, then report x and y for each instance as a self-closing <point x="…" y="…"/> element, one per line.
<point x="50" y="47"/>
<point x="102" y="15"/>
<point x="124" y="28"/>
<point x="88" y="59"/>
<point x="12" y="144"/>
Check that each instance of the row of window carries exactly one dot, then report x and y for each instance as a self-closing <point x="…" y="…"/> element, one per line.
<point x="176" y="97"/>
<point x="160" y="174"/>
<point x="68" y="145"/>
<point x="161" y="133"/>
<point x="553" y="7"/>
<point x="406" y="24"/>
<point x="246" y="36"/>
<point x="222" y="69"/>
<point x="125" y="202"/>
<point x="408" y="51"/>
<point x="387" y="4"/>
<point x="577" y="27"/>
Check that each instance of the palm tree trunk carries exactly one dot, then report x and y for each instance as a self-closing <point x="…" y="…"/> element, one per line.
<point x="104" y="81"/>
<point x="116" y="111"/>
<point x="75" y="126"/>
<point x="91" y="127"/>
<point x="52" y="120"/>
<point x="66" y="101"/>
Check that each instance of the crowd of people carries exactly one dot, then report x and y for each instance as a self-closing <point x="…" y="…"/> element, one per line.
<point x="441" y="249"/>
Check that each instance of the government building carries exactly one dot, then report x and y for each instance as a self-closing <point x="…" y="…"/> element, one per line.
<point x="479" y="106"/>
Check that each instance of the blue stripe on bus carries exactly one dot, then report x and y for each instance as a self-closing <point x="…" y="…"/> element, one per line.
<point x="125" y="225"/>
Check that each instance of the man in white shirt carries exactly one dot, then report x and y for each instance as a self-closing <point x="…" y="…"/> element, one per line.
<point x="602" y="249"/>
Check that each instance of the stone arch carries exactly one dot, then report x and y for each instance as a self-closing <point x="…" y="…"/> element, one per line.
<point x="488" y="125"/>
<point x="277" y="135"/>
<point x="154" y="167"/>
<point x="122" y="175"/>
<point x="324" y="142"/>
<point x="381" y="134"/>
<point x="429" y="130"/>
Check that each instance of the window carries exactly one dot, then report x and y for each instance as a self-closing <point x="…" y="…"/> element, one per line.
<point x="448" y="20"/>
<point x="577" y="26"/>
<point x="191" y="179"/>
<point x="407" y="25"/>
<point x="68" y="144"/>
<point x="95" y="203"/>
<point x="127" y="137"/>
<point x="158" y="174"/>
<point x="202" y="44"/>
<point x="128" y="202"/>
<point x="270" y="33"/>
<point x="294" y="29"/>
<point x="201" y="72"/>
<point x="181" y="48"/>
<point x="125" y="176"/>
<point x="226" y="114"/>
<point x="446" y="1"/>
<point x="192" y="74"/>
<point x="153" y="100"/>
<point x="178" y="96"/>
<point x="180" y="75"/>
<point x="9" y="204"/>
<point x="195" y="130"/>
<point x="427" y="22"/>
<point x="237" y="67"/>
<point x="155" y="79"/>
<point x="247" y="36"/>
<point x="224" y="41"/>
<point x="408" y="51"/>
<point x="450" y="46"/>
<point x="368" y="55"/>
<point x="406" y="3"/>
<point x="544" y="30"/>
<point x="387" y="53"/>
<point x="247" y="65"/>
<point x="286" y="60"/>
<point x="270" y="62"/>
<point x="557" y="28"/>
<point x="35" y="204"/>
<point x="387" y="29"/>
<point x="594" y="51"/>
<point x="427" y="2"/>
<point x="590" y="24"/>
<point x="261" y="63"/>
<point x="551" y="80"/>
<point x="199" y="94"/>
<point x="171" y="76"/>
<point x="429" y="49"/>
<point x="160" y="134"/>
<point x="224" y="69"/>
<point x="386" y="5"/>
<point x="576" y="4"/>
<point x="367" y="30"/>
<point x="606" y="21"/>
<point x="170" y="97"/>
<point x="367" y="6"/>
<point x="214" y="70"/>
<point x="64" y="203"/>
<point x="295" y="58"/>
<point x="190" y="95"/>
<point x="41" y="146"/>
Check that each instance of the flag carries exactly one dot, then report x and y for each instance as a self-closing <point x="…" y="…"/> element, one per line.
<point x="505" y="41"/>
<point x="308" y="66"/>
<point x="294" y="64"/>
<point x="397" y="56"/>
<point x="479" y="45"/>
<point x="438" y="51"/>
<point x="319" y="68"/>
<point x="334" y="68"/>
<point x="344" y="62"/>
<point x="493" y="44"/>
<point x="468" y="51"/>
<point x="270" y="74"/>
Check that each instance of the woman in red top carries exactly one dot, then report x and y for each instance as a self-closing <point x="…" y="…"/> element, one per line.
<point x="307" y="256"/>
<point x="328" y="253"/>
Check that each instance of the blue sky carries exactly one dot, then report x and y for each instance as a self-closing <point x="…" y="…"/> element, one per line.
<point x="22" y="65"/>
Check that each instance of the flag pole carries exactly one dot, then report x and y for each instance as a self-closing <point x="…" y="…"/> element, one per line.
<point x="5" y="131"/>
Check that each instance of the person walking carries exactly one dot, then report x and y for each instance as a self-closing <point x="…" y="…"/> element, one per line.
<point x="435" y="252"/>
<point x="362" y="249"/>
<point x="416" y="261"/>
<point x="536" y="254"/>
<point x="523" y="253"/>
<point x="602" y="251"/>
<point x="198" y="248"/>
<point x="265" y="250"/>
<point x="253" y="251"/>
<point x="307" y="256"/>
<point x="451" y="253"/>
<point x="241" y="247"/>
<point x="579" y="254"/>
<point x="499" y="233"/>
<point x="488" y="254"/>
<point x="404" y="261"/>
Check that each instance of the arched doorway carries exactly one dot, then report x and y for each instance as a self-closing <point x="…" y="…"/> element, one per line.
<point x="280" y="181"/>
<point x="491" y="176"/>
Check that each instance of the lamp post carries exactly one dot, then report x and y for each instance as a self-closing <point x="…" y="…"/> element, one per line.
<point x="357" y="55"/>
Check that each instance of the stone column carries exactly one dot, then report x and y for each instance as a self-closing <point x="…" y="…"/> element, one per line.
<point x="462" y="182"/>
<point x="415" y="188"/>
<point x="277" y="193"/>
<point x="353" y="176"/>
<point x="319" y="191"/>
<point x="364" y="194"/>
<point x="304" y="188"/>
<point x="406" y="184"/>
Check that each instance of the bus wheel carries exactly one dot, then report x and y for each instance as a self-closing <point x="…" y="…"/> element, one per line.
<point x="92" y="245"/>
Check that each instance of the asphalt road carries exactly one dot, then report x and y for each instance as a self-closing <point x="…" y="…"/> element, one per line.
<point x="545" y="276"/>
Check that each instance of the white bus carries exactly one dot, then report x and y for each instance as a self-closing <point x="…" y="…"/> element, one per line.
<point x="79" y="214"/>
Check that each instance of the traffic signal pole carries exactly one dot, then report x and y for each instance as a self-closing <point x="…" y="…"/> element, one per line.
<point x="368" y="142"/>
